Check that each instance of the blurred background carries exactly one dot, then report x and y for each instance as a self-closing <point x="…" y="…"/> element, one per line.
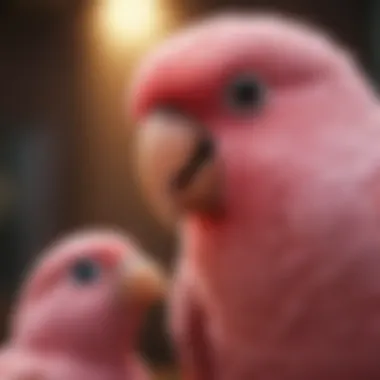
<point x="65" y="142"/>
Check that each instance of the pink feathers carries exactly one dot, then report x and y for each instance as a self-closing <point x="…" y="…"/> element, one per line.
<point x="276" y="122"/>
<point x="80" y="310"/>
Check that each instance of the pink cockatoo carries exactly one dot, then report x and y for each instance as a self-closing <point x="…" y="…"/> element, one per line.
<point x="261" y="136"/>
<point x="80" y="311"/>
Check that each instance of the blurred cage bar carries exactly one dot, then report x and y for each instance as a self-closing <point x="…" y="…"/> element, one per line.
<point x="28" y="197"/>
<point x="64" y="144"/>
<point x="37" y="97"/>
<point x="374" y="39"/>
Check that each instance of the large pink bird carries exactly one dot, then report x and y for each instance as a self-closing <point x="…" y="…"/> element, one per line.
<point x="263" y="136"/>
<point x="80" y="311"/>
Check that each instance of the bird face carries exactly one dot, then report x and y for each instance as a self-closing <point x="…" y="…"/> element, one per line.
<point x="89" y="288"/>
<point x="215" y="102"/>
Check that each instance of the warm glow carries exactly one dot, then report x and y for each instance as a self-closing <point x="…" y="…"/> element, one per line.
<point x="131" y="21"/>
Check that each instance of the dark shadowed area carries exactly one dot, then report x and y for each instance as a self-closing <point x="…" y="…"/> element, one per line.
<point x="65" y="141"/>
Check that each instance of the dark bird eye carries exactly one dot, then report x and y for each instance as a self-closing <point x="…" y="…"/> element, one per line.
<point x="85" y="271"/>
<point x="246" y="93"/>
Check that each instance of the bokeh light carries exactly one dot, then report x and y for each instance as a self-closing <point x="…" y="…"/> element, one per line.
<point x="130" y="22"/>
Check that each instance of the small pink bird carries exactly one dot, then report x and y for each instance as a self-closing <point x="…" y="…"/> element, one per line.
<point x="262" y="135"/>
<point x="80" y="312"/>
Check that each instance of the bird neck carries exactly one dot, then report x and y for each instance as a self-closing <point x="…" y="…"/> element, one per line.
<point x="108" y="344"/>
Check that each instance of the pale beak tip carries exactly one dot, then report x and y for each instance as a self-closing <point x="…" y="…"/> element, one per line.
<point x="148" y="284"/>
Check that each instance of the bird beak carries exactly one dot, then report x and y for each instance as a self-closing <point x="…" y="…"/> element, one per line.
<point x="145" y="282"/>
<point x="177" y="165"/>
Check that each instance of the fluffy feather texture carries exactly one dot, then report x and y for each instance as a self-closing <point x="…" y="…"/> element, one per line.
<point x="67" y="328"/>
<point x="286" y="286"/>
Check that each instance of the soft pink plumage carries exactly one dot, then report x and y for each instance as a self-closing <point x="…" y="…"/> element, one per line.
<point x="78" y="317"/>
<point x="285" y="284"/>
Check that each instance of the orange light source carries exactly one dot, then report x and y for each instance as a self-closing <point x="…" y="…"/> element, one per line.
<point x="131" y="22"/>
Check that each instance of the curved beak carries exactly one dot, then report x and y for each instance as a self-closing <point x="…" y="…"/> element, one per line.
<point x="144" y="282"/>
<point x="177" y="165"/>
